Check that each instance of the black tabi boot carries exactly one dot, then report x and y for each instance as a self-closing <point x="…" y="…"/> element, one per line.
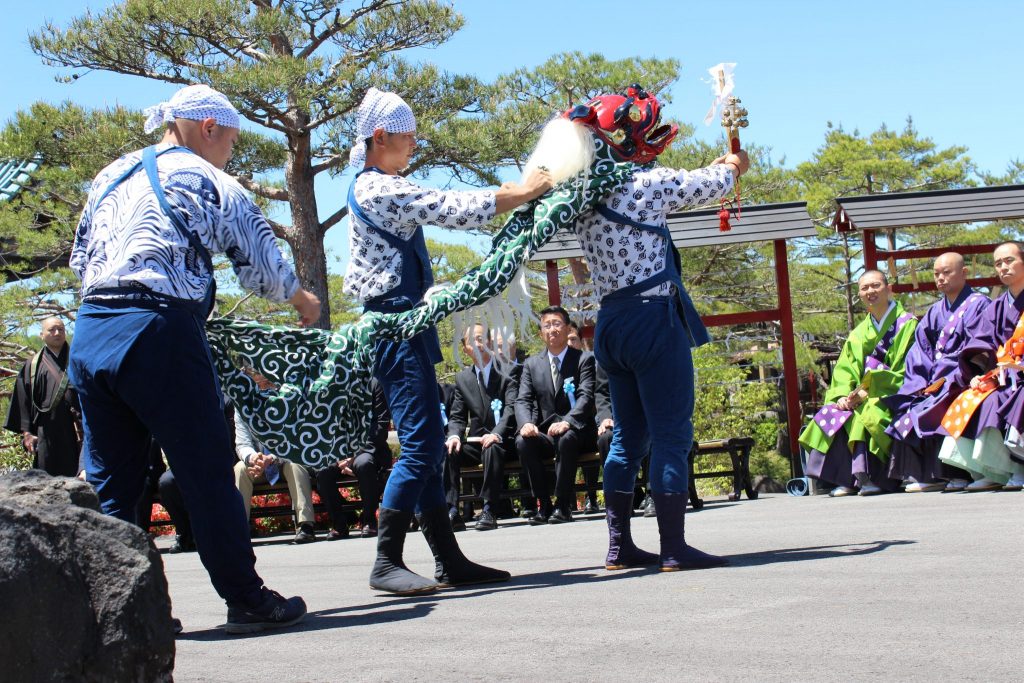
<point x="452" y="567"/>
<point x="675" y="554"/>
<point x="622" y="552"/>
<point x="389" y="571"/>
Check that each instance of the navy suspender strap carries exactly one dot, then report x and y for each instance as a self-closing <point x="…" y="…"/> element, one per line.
<point x="672" y="272"/>
<point x="417" y="276"/>
<point x="148" y="162"/>
<point x="413" y="251"/>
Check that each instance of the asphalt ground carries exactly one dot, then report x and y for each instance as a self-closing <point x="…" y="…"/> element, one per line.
<point x="898" y="587"/>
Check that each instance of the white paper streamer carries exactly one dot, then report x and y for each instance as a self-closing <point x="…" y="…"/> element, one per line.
<point x="721" y="85"/>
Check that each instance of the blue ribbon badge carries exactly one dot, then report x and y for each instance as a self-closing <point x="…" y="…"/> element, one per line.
<point x="444" y="414"/>
<point x="496" y="406"/>
<point x="570" y="390"/>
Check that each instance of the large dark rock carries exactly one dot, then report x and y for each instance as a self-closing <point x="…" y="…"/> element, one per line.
<point x="764" y="484"/>
<point x="83" y="596"/>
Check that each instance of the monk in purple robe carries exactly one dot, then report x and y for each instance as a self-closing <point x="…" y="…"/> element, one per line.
<point x="932" y="380"/>
<point x="977" y="420"/>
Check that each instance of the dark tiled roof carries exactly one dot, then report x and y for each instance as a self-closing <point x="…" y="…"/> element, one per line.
<point x="763" y="222"/>
<point x="907" y="209"/>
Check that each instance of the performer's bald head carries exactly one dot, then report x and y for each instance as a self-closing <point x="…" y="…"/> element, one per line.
<point x="950" y="274"/>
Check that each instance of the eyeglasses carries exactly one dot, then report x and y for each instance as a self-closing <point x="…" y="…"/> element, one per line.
<point x="552" y="325"/>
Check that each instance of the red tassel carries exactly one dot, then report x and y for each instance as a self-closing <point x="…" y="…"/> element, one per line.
<point x="723" y="220"/>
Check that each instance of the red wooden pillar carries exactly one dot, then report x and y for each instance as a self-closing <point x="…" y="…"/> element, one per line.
<point x="870" y="251"/>
<point x="794" y="418"/>
<point x="554" y="288"/>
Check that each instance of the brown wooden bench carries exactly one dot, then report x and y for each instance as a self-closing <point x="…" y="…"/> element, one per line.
<point x="475" y="473"/>
<point x="737" y="448"/>
<point x="283" y="509"/>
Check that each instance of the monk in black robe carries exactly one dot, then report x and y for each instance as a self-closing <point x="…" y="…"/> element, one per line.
<point x="44" y="407"/>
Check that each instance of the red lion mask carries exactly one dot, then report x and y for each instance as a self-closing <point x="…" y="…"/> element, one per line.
<point x="628" y="123"/>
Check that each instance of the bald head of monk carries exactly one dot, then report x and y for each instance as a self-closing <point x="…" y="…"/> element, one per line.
<point x="1008" y="259"/>
<point x="873" y="290"/>
<point x="950" y="275"/>
<point x="51" y="331"/>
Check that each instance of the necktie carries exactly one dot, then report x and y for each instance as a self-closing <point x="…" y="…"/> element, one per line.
<point x="485" y="399"/>
<point x="556" y="379"/>
<point x="483" y="386"/>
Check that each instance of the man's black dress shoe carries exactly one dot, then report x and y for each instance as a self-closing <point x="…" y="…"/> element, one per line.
<point x="560" y="516"/>
<point x="487" y="522"/>
<point x="538" y="519"/>
<point x="458" y="523"/>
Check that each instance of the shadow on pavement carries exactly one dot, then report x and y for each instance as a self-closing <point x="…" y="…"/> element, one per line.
<point x="818" y="552"/>
<point x="391" y="608"/>
<point x="330" y="619"/>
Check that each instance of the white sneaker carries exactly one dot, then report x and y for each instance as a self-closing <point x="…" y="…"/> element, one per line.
<point x="841" y="491"/>
<point x="983" y="485"/>
<point x="1016" y="483"/>
<point x="924" y="487"/>
<point x="869" y="490"/>
<point x="956" y="485"/>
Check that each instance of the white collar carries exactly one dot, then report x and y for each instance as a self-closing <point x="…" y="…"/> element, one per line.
<point x="485" y="371"/>
<point x="878" y="323"/>
<point x="560" y="357"/>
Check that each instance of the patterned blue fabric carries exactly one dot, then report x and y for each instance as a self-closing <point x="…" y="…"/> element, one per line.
<point x="621" y="255"/>
<point x="124" y="240"/>
<point x="400" y="207"/>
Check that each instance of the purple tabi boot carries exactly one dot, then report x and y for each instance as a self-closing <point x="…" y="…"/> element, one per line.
<point x="622" y="553"/>
<point x="675" y="554"/>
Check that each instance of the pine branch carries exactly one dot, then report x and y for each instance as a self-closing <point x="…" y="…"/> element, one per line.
<point x="333" y="220"/>
<point x="266" y="191"/>
<point x="338" y="25"/>
<point x="334" y="161"/>
<point x="281" y="231"/>
<point x="238" y="303"/>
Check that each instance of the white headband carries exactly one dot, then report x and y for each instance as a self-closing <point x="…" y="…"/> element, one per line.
<point x="196" y="102"/>
<point x="379" y="109"/>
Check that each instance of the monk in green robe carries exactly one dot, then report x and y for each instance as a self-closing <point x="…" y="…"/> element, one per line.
<point x="845" y="441"/>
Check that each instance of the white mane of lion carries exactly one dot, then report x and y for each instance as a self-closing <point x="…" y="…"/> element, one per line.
<point x="565" y="149"/>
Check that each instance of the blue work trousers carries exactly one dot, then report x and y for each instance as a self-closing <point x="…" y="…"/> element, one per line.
<point x="140" y="372"/>
<point x="406" y="373"/>
<point x="644" y="347"/>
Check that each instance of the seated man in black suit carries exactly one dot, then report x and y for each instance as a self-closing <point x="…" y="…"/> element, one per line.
<point x="555" y="414"/>
<point x="369" y="466"/>
<point x="485" y="396"/>
<point x="446" y="396"/>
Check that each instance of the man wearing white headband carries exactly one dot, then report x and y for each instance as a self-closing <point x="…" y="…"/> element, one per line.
<point x="140" y="357"/>
<point x="389" y="271"/>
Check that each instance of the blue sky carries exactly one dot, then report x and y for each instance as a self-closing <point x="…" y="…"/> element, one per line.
<point x="954" y="67"/>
